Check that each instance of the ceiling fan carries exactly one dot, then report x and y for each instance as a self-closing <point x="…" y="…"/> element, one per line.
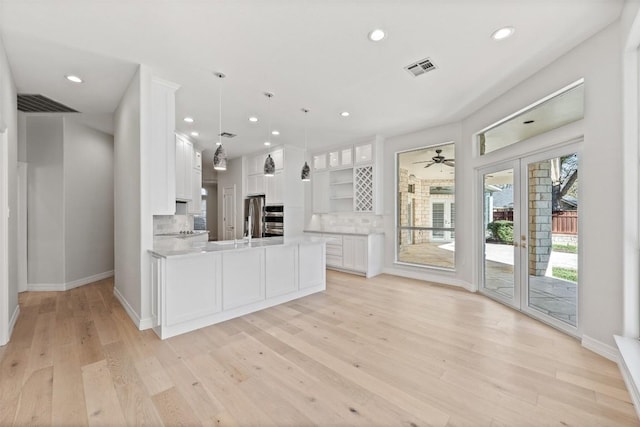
<point x="438" y="159"/>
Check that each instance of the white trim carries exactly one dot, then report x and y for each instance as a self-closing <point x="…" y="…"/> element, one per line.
<point x="21" y="213"/>
<point x="629" y="364"/>
<point x="424" y="276"/>
<point x="598" y="347"/>
<point x="87" y="280"/>
<point x="14" y="319"/>
<point x="146" y="323"/>
<point x="127" y="307"/>
<point x="5" y="330"/>
<point x="59" y="287"/>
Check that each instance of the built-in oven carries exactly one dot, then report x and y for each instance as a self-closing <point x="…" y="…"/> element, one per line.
<point x="273" y="220"/>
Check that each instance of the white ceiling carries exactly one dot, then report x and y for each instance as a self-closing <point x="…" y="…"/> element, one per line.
<point x="310" y="53"/>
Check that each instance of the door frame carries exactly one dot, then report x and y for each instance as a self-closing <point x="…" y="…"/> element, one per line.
<point x="228" y="190"/>
<point x="4" y="236"/>
<point x="520" y="163"/>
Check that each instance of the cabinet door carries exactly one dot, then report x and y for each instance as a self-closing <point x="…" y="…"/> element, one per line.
<point x="281" y="270"/>
<point x="364" y="153"/>
<point x="197" y="160"/>
<point x="192" y="287"/>
<point x="252" y="165"/>
<point x="195" y="205"/>
<point x="320" y="184"/>
<point x="180" y="169"/>
<point x="320" y="162"/>
<point x="346" y="157"/>
<point x="354" y="253"/>
<point x="334" y="159"/>
<point x="311" y="269"/>
<point x="242" y="277"/>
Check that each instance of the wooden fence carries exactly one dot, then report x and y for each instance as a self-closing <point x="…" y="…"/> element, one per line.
<point x="562" y="222"/>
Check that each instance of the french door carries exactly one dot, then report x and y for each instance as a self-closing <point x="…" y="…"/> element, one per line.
<point x="529" y="241"/>
<point x="443" y="215"/>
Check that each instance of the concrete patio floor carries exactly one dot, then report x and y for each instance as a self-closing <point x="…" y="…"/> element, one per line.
<point x="549" y="295"/>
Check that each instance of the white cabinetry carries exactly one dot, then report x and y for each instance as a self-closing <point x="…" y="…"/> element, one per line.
<point x="360" y="254"/>
<point x="281" y="270"/>
<point x="198" y="275"/>
<point x="184" y="167"/>
<point x="191" y="291"/>
<point x="274" y="188"/>
<point x="354" y="253"/>
<point x="242" y="284"/>
<point x="195" y="205"/>
<point x="162" y="172"/>
<point x="354" y="182"/>
<point x="197" y="160"/>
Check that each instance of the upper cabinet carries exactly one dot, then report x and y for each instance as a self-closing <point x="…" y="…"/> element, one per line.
<point x="197" y="160"/>
<point x="184" y="168"/>
<point x="162" y="169"/>
<point x="352" y="180"/>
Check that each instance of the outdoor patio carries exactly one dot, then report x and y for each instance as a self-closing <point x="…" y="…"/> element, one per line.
<point x="550" y="295"/>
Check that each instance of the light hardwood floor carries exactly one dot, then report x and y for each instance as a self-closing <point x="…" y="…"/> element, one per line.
<point x="385" y="351"/>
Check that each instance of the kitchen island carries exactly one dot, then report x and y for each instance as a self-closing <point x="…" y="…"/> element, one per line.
<point x="203" y="284"/>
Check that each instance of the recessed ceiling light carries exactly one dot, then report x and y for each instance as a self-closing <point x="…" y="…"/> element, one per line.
<point x="376" y="35"/>
<point x="195" y="134"/>
<point x="275" y="132"/>
<point x="503" y="33"/>
<point x="345" y="114"/>
<point x="73" y="78"/>
<point x="188" y="119"/>
<point x="253" y="119"/>
<point x="267" y="143"/>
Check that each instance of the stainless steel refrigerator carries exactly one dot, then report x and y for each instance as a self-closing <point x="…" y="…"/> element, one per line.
<point x="254" y="208"/>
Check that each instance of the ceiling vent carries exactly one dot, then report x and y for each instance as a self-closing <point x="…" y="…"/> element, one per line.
<point x="41" y="104"/>
<point x="421" y="67"/>
<point x="227" y="135"/>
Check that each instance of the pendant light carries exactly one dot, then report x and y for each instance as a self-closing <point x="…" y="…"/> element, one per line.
<point x="220" y="156"/>
<point x="269" y="164"/>
<point x="305" y="174"/>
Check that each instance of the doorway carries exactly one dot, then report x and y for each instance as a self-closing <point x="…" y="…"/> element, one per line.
<point x="4" y="237"/>
<point x="530" y="235"/>
<point x="443" y="215"/>
<point x="229" y="213"/>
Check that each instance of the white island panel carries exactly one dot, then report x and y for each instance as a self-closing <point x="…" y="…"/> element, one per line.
<point x="282" y="270"/>
<point x="243" y="277"/>
<point x="193" y="276"/>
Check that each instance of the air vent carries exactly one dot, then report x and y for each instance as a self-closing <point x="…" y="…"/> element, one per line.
<point x="421" y="67"/>
<point x="228" y="135"/>
<point x="41" y="104"/>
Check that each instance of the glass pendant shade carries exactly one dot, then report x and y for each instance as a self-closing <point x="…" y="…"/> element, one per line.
<point x="269" y="166"/>
<point x="305" y="174"/>
<point x="220" y="159"/>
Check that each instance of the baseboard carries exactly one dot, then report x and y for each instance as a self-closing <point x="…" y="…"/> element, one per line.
<point x="598" y="347"/>
<point x="42" y="287"/>
<point x="427" y="277"/>
<point x="45" y="287"/>
<point x="629" y="365"/>
<point x="127" y="307"/>
<point x="14" y="319"/>
<point x="146" y="323"/>
<point x="87" y="280"/>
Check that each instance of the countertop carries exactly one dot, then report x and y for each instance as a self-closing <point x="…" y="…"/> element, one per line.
<point x="180" y="235"/>
<point x="183" y="247"/>
<point x="348" y="231"/>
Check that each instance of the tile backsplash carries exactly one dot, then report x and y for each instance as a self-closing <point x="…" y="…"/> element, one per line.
<point x="345" y="222"/>
<point x="163" y="224"/>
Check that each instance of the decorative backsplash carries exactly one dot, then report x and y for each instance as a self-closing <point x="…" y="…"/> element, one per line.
<point x="344" y="222"/>
<point x="163" y="224"/>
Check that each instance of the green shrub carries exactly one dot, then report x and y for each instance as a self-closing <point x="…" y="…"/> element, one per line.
<point x="501" y="231"/>
<point x="565" y="273"/>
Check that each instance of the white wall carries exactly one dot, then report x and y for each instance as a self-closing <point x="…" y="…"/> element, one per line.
<point x="8" y="112"/>
<point x="601" y="203"/>
<point x="232" y="176"/>
<point x="45" y="201"/>
<point x="88" y="198"/>
<point x="127" y="260"/>
<point x="212" y="210"/>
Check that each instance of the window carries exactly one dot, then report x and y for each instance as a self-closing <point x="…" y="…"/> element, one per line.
<point x="556" y="110"/>
<point x="426" y="206"/>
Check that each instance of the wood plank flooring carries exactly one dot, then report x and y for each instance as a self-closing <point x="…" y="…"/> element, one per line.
<point x="385" y="351"/>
